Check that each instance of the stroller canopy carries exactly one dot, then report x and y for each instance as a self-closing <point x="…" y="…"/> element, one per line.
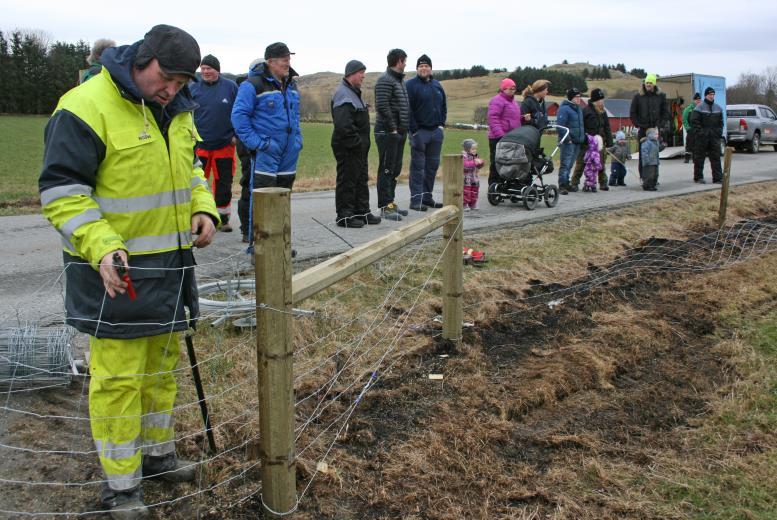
<point x="527" y="135"/>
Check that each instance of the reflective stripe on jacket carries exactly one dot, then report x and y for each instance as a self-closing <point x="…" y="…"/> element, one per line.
<point x="146" y="188"/>
<point x="111" y="180"/>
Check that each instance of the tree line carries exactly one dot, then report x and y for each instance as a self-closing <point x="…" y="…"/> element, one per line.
<point x="34" y="73"/>
<point x="755" y="88"/>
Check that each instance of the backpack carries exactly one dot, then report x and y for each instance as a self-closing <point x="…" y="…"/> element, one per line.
<point x="512" y="160"/>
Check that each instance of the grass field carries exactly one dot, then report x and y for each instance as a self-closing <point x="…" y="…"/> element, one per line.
<point x="22" y="151"/>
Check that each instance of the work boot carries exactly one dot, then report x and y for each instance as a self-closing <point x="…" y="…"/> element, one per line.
<point x="390" y="212"/>
<point x="371" y="219"/>
<point x="433" y="204"/>
<point x="225" y="227"/>
<point x="564" y="189"/>
<point x="169" y="467"/>
<point x="402" y="212"/>
<point x="350" y="222"/>
<point x="124" y="505"/>
<point x="418" y="207"/>
<point x="604" y="187"/>
<point x="572" y="188"/>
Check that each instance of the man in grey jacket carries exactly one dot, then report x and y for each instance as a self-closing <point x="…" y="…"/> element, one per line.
<point x="391" y="124"/>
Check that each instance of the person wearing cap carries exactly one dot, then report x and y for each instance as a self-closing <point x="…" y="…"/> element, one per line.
<point x="121" y="185"/>
<point x="707" y="123"/>
<point x="595" y="122"/>
<point x="215" y="96"/>
<point x="687" y="125"/>
<point x="504" y="114"/>
<point x="428" y="113"/>
<point x="392" y="119"/>
<point x="94" y="58"/>
<point x="570" y="116"/>
<point x="266" y="119"/>
<point x="649" y="110"/>
<point x="351" y="146"/>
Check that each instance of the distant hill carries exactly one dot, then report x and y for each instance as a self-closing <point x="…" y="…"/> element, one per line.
<point x="464" y="95"/>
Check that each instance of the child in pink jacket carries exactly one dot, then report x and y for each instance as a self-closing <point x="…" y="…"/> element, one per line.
<point x="472" y="163"/>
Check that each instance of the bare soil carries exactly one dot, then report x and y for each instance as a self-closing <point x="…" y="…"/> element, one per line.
<point x="536" y="411"/>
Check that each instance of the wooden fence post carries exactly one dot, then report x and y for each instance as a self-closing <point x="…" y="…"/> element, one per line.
<point x="452" y="263"/>
<point x="724" y="187"/>
<point x="274" y="348"/>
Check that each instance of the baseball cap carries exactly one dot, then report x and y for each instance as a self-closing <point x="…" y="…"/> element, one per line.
<point x="176" y="50"/>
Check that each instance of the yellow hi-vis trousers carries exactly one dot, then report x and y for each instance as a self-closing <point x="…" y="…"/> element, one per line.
<point x="131" y="398"/>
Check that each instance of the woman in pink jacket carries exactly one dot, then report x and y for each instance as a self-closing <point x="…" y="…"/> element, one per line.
<point x="504" y="114"/>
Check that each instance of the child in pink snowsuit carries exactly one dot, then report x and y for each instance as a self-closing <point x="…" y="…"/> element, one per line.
<point x="593" y="162"/>
<point x="472" y="163"/>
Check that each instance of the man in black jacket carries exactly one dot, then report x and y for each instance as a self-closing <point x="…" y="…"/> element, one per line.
<point x="351" y="145"/>
<point x="392" y="119"/>
<point x="707" y="124"/>
<point x="649" y="110"/>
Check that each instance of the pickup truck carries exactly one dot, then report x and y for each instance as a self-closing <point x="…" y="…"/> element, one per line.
<point x="750" y="126"/>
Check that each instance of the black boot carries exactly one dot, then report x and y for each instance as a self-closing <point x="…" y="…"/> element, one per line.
<point x="169" y="467"/>
<point x="124" y="505"/>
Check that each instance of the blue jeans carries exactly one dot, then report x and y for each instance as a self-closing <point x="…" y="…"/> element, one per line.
<point x="425" y="148"/>
<point x="568" y="156"/>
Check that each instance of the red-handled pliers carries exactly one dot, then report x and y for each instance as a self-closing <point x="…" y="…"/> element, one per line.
<point x="124" y="275"/>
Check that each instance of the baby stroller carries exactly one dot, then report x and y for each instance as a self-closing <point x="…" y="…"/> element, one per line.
<point x="521" y="163"/>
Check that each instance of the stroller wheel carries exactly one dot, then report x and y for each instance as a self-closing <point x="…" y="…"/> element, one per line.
<point x="493" y="197"/>
<point x="530" y="197"/>
<point x="551" y="195"/>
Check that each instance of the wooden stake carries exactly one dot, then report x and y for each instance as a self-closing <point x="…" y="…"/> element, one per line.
<point x="274" y="348"/>
<point x="724" y="187"/>
<point x="452" y="264"/>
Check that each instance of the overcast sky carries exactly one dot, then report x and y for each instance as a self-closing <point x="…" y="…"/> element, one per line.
<point x="714" y="37"/>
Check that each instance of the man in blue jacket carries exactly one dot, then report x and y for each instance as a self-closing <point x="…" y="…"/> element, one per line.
<point x="428" y="112"/>
<point x="266" y="119"/>
<point x="216" y="96"/>
<point x="570" y="115"/>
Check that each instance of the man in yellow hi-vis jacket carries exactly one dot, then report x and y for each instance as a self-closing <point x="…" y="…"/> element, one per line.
<point x="120" y="177"/>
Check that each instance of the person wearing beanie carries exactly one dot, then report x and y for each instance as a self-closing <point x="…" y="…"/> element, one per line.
<point x="392" y="120"/>
<point x="472" y="163"/>
<point x="120" y="186"/>
<point x="596" y="122"/>
<point x="94" y="58"/>
<point x="707" y="126"/>
<point x="570" y="115"/>
<point x="215" y="96"/>
<point x="504" y="114"/>
<point x="428" y="113"/>
<point x="649" y="109"/>
<point x="533" y="105"/>
<point x="620" y="153"/>
<point x="687" y="126"/>
<point x="266" y="119"/>
<point x="649" y="148"/>
<point x="351" y="146"/>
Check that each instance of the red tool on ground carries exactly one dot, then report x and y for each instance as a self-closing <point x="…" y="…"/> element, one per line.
<point x="124" y="275"/>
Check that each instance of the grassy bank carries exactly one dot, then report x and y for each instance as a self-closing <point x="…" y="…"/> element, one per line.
<point x="646" y="393"/>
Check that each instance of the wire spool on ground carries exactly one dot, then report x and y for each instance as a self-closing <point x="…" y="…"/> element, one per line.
<point x="34" y="357"/>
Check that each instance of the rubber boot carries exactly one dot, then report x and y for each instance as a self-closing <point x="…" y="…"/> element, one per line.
<point x="169" y="468"/>
<point x="124" y="505"/>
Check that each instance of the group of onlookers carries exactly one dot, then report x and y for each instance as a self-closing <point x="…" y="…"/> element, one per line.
<point x="267" y="134"/>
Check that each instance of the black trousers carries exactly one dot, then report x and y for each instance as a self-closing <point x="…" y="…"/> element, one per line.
<point x="391" y="147"/>
<point x="706" y="147"/>
<point x="352" y="196"/>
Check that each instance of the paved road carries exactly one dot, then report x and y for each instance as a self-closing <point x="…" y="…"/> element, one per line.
<point x="30" y="259"/>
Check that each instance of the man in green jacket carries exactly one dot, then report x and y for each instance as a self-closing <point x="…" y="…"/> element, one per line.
<point x="687" y="126"/>
<point x="121" y="185"/>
